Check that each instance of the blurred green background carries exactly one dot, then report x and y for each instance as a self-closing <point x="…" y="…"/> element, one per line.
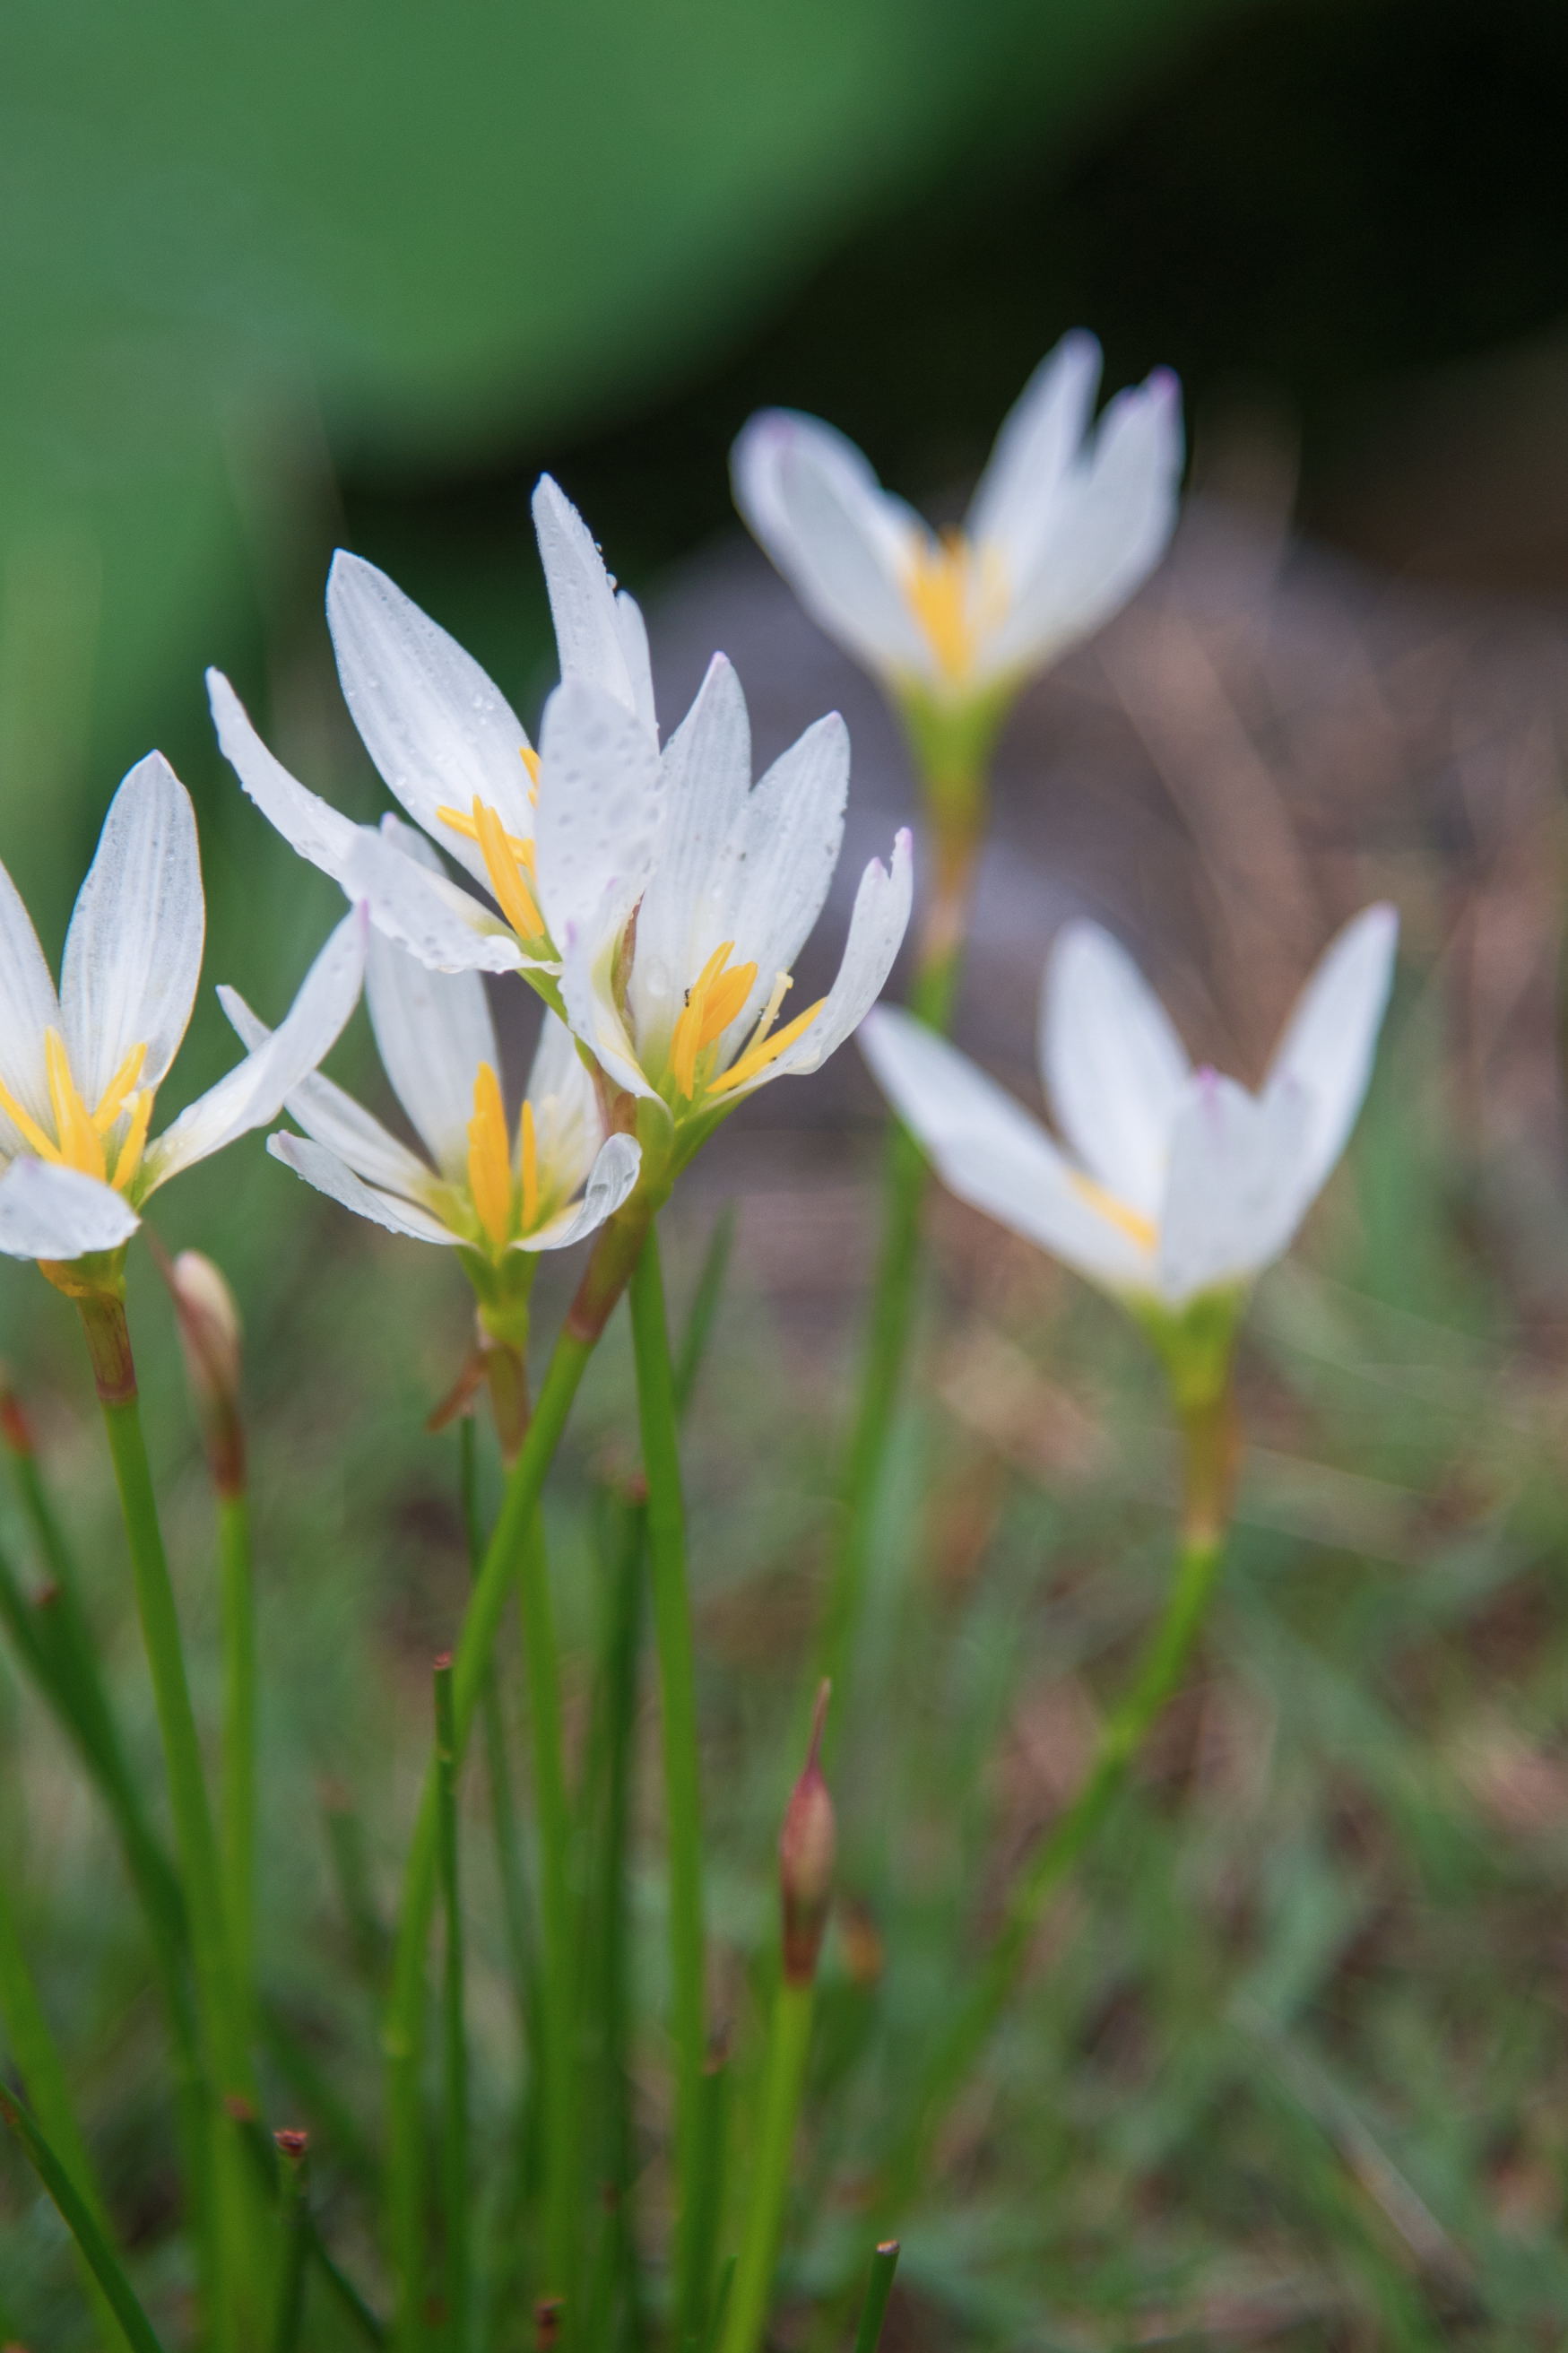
<point x="278" y="275"/>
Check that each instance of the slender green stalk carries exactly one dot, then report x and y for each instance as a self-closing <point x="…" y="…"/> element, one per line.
<point x="263" y="2150"/>
<point x="293" y="2272"/>
<point x="236" y="1585"/>
<point x="220" y="2007"/>
<point x="36" y="2056"/>
<point x="952" y="780"/>
<point x="455" y="2039"/>
<point x="509" y="1873"/>
<point x="1208" y="1445"/>
<point x="79" y="2220"/>
<point x="879" y="2288"/>
<point x="789" y="2044"/>
<point x="683" y="1813"/>
<point x="403" y="2037"/>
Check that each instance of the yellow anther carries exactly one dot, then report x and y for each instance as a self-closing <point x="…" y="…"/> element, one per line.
<point x="766" y="1050"/>
<point x="489" y="1160"/>
<point x="938" y="588"/>
<point x="724" y="1001"/>
<point x="687" y="1040"/>
<point x="528" y="1156"/>
<point x="80" y="1144"/>
<point x="1131" y="1222"/>
<point x="506" y="856"/>
<point x="121" y="1087"/>
<point x="129" y="1158"/>
<point x="531" y="762"/>
<point x="32" y="1133"/>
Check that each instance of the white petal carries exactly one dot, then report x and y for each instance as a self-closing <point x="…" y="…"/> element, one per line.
<point x="28" y="1007"/>
<point x="842" y="544"/>
<point x="256" y="1091"/>
<point x="1330" y="1040"/>
<point x="442" y="734"/>
<point x="307" y="822"/>
<point x="1039" y="440"/>
<point x="1234" y="1195"/>
<point x="877" y="928"/>
<point x="333" y="1118"/>
<point x="569" y="1126"/>
<point x="433" y="1031"/>
<point x="610" y="1181"/>
<point x="333" y="1176"/>
<point x="708" y="775"/>
<point x="780" y="860"/>
<point x="991" y="1154"/>
<point x="1108" y="527"/>
<point x="599" y="644"/>
<point x="1114" y="1068"/>
<point x="435" y="918"/>
<point x="133" y="952"/>
<point x="53" y="1213"/>
<point x="601" y="800"/>
<point x="587" y="967"/>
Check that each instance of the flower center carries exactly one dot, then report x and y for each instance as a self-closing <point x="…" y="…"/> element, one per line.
<point x="509" y="859"/>
<point x="712" y="1001"/>
<point x="504" y="1202"/>
<point x="954" y="591"/>
<point x="80" y="1140"/>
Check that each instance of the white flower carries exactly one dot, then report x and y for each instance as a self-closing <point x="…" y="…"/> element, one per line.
<point x="683" y="1008"/>
<point x="1180" y="1182"/>
<point x="554" y="1180"/>
<point x="1062" y="529"/>
<point x="554" y="835"/>
<point x="78" y="1073"/>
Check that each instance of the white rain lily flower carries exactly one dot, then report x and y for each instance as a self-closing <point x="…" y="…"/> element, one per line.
<point x="681" y="1007"/>
<point x="79" y="1072"/>
<point x="1175" y="1182"/>
<point x="1063" y="527"/>
<point x="484" y="1186"/>
<point x="551" y="835"/>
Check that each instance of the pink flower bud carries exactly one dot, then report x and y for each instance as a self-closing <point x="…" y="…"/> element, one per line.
<point x="808" y="1848"/>
<point x="209" y="1335"/>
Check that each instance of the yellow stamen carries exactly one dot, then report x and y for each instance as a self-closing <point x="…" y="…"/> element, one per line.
<point x="505" y="856"/>
<point x="32" y="1133"/>
<point x="129" y="1158"/>
<point x="1131" y="1222"/>
<point x="689" y="1036"/>
<point x="757" y="1058"/>
<point x="529" y="1155"/>
<point x="938" y="588"/>
<point x="489" y="1161"/>
<point x="725" y="999"/>
<point x="531" y="762"/>
<point x="118" y="1093"/>
<point x="517" y="846"/>
<point x="80" y="1146"/>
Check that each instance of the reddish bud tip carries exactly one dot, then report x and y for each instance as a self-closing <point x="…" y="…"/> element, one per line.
<point x="210" y="1336"/>
<point x="443" y="1660"/>
<point x="292" y="2143"/>
<point x="16" y="1429"/>
<point x="547" y="2324"/>
<point x="808" y="1845"/>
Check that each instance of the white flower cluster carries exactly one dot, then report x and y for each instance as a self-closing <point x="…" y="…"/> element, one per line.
<point x="657" y="900"/>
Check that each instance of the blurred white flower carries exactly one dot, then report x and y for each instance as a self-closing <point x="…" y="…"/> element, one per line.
<point x="1180" y="1182"/>
<point x="1063" y="525"/>
<point x="683" y="1008"/>
<point x="78" y="1073"/>
<point x="553" y="1179"/>
<point x="557" y="836"/>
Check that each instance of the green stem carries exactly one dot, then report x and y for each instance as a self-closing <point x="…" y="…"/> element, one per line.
<point x="36" y="2056"/>
<point x="789" y="2042"/>
<point x="677" y="1682"/>
<point x="560" y="2133"/>
<point x="1207" y="1430"/>
<point x="236" y="1585"/>
<point x="894" y="1292"/>
<point x="608" y="1269"/>
<point x="295" y="2232"/>
<point x="220" y="2010"/>
<point x="78" y="2218"/>
<point x="879" y="2288"/>
<point x="455" y="2041"/>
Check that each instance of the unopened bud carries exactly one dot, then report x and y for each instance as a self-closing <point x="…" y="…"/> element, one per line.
<point x="209" y="1335"/>
<point x="292" y="2145"/>
<point x="808" y="1845"/>
<point x="16" y="1433"/>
